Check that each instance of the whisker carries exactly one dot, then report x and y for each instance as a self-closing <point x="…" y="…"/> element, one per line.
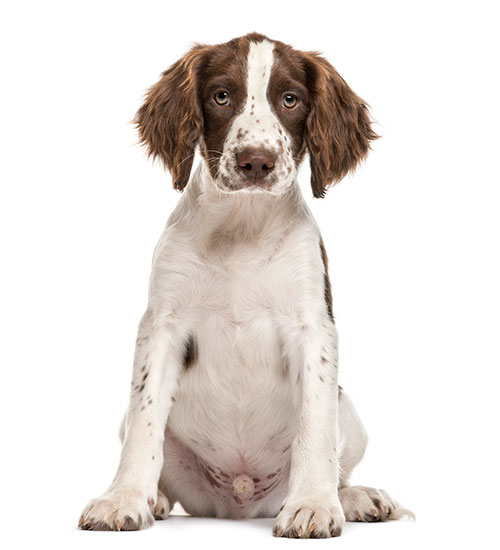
<point x="184" y="160"/>
<point x="192" y="155"/>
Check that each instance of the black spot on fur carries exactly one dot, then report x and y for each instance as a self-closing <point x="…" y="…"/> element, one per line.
<point x="190" y="352"/>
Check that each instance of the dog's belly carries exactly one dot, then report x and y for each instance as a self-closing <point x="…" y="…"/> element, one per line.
<point x="232" y="423"/>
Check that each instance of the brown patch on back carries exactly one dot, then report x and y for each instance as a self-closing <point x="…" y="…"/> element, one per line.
<point x="328" y="288"/>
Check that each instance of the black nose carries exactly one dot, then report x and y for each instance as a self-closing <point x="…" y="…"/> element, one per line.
<point x="255" y="163"/>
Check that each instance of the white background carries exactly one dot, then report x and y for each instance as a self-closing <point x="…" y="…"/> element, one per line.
<point x="412" y="240"/>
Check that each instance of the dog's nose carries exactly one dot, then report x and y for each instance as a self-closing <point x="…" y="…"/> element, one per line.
<point x="255" y="163"/>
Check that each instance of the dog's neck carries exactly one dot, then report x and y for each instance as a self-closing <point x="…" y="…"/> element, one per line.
<point x="220" y="221"/>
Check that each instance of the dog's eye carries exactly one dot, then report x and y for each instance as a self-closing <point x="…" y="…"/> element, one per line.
<point x="289" y="101"/>
<point x="222" y="98"/>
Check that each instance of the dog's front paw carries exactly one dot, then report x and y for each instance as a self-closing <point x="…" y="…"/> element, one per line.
<point x="124" y="509"/>
<point x="310" y="518"/>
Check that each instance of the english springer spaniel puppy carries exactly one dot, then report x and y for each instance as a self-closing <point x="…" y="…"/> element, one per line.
<point x="235" y="410"/>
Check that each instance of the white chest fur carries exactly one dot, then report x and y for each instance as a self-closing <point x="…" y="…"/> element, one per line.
<point x="241" y="383"/>
<point x="236" y="405"/>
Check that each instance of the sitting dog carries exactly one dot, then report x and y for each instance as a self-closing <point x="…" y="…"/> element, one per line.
<point x="235" y="409"/>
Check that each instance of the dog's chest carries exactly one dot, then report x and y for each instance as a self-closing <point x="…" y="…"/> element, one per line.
<point x="237" y="402"/>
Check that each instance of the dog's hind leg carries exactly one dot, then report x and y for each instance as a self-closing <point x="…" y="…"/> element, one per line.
<point x="360" y="503"/>
<point x="352" y="438"/>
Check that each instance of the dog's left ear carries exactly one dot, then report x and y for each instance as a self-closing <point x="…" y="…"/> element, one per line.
<point x="170" y="120"/>
<point x="338" y="128"/>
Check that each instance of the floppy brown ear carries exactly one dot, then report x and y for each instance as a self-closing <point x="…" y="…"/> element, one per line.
<point x="338" y="128"/>
<point x="170" y="120"/>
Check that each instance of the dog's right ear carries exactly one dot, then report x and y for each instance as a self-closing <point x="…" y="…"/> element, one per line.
<point x="338" y="129"/>
<point x="170" y="120"/>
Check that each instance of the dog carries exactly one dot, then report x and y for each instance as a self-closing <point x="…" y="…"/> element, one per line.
<point x="235" y="409"/>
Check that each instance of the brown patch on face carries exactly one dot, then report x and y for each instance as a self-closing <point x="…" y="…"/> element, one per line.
<point x="225" y="71"/>
<point x="328" y="289"/>
<point x="288" y="75"/>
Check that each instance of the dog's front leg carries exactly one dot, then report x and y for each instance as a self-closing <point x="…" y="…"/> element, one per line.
<point x="128" y="502"/>
<point x="312" y="507"/>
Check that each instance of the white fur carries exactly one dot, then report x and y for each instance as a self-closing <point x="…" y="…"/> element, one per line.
<point x="242" y="275"/>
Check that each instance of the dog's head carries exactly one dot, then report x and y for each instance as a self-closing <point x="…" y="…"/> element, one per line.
<point x="255" y="106"/>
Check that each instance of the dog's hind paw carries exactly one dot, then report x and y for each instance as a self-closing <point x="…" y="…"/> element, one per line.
<point x="369" y="505"/>
<point x="161" y="508"/>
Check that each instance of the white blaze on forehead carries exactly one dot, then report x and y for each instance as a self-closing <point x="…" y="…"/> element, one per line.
<point x="260" y="62"/>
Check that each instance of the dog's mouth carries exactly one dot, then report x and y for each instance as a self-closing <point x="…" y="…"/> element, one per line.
<point x="262" y="186"/>
<point x="251" y="184"/>
<point x="229" y="179"/>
